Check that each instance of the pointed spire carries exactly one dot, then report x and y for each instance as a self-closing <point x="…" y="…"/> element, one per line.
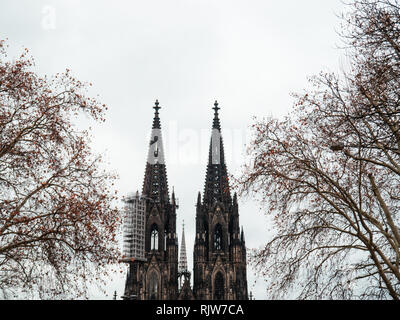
<point x="199" y="198"/>
<point x="183" y="267"/>
<point x="216" y="124"/>
<point x="156" y="121"/>
<point x="242" y="235"/>
<point x="156" y="151"/>
<point x="216" y="139"/>
<point x="216" y="184"/>
<point x="155" y="182"/>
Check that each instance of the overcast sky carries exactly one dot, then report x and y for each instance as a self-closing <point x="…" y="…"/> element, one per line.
<point x="249" y="55"/>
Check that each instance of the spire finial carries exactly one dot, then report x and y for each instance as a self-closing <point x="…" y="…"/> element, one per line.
<point x="183" y="224"/>
<point x="156" y="107"/>
<point x="156" y="122"/>
<point x="216" y="108"/>
<point x="216" y="124"/>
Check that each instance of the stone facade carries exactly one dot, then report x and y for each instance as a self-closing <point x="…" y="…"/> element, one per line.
<point x="219" y="249"/>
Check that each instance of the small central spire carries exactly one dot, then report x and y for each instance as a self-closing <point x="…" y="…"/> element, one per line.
<point x="182" y="267"/>
<point x="156" y="121"/>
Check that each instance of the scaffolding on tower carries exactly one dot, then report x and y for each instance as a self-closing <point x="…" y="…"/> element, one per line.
<point x="134" y="228"/>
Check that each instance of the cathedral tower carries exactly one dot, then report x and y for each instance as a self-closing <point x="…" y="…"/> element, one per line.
<point x="156" y="276"/>
<point x="219" y="249"/>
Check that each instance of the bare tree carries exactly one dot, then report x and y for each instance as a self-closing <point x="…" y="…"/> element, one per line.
<point x="329" y="172"/>
<point x="57" y="219"/>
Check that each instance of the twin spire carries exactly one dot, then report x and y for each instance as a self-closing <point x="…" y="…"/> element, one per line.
<point x="157" y="124"/>
<point x="216" y="184"/>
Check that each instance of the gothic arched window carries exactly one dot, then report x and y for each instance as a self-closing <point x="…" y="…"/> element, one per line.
<point x="154" y="237"/>
<point x="153" y="286"/>
<point x="218" y="237"/>
<point x="219" y="286"/>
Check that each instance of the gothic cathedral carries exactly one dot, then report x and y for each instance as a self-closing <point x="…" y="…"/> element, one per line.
<point x="219" y="249"/>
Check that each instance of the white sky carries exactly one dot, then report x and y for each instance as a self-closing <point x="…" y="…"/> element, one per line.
<point x="249" y="55"/>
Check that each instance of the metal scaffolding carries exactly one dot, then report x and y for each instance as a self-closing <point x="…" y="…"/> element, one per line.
<point x="134" y="228"/>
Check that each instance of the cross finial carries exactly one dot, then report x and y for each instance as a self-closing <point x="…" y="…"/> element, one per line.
<point x="156" y="121"/>
<point x="216" y="124"/>
<point x="157" y="106"/>
<point x="216" y="108"/>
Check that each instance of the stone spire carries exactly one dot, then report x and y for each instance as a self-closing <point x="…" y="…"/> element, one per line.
<point x="157" y="224"/>
<point x="156" y="183"/>
<point x="219" y="255"/>
<point x="216" y="185"/>
<point x="156" y="150"/>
